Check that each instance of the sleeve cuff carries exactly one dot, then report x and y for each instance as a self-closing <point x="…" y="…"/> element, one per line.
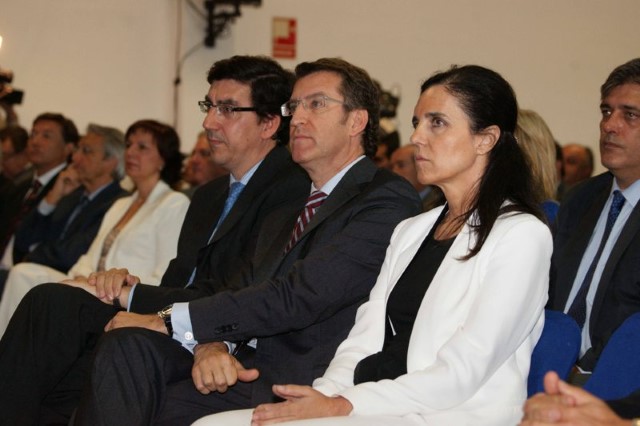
<point x="182" y="328"/>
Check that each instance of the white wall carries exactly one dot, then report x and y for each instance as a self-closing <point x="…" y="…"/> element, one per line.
<point x="113" y="61"/>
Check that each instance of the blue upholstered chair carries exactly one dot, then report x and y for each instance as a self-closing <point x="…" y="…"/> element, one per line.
<point x="557" y="350"/>
<point x="617" y="373"/>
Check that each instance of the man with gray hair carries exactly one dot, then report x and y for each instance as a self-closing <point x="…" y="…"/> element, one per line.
<point x="66" y="221"/>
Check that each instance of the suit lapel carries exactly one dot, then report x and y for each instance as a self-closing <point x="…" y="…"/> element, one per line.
<point x="577" y="245"/>
<point x="260" y="180"/>
<point x="349" y="187"/>
<point x="94" y="206"/>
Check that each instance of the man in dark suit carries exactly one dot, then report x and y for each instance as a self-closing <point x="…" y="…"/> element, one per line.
<point x="297" y="300"/>
<point x="52" y="139"/>
<point x="16" y="169"/>
<point x="65" y="222"/>
<point x="251" y="144"/>
<point x="595" y="270"/>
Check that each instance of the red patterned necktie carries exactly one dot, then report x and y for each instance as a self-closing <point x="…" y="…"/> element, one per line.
<point x="314" y="201"/>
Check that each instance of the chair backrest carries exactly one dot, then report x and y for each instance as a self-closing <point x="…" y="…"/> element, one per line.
<point x="557" y="350"/>
<point x="617" y="373"/>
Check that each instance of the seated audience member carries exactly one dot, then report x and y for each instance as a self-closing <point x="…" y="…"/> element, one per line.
<point x="595" y="269"/>
<point x="200" y="167"/>
<point x="578" y="164"/>
<point x="138" y="232"/>
<point x="311" y="315"/>
<point x="563" y="404"/>
<point x="538" y="145"/>
<point x="447" y="334"/>
<point x="403" y="163"/>
<point x="52" y="139"/>
<point x="387" y="143"/>
<point x="61" y="228"/>
<point x="16" y="167"/>
<point x="66" y="221"/>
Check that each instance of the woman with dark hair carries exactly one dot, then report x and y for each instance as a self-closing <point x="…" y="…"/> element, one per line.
<point x="139" y="232"/>
<point x="447" y="334"/>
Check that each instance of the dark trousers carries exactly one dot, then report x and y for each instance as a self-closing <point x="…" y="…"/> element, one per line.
<point x="141" y="377"/>
<point x="46" y="352"/>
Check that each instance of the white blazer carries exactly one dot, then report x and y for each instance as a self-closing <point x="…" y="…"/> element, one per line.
<point x="470" y="349"/>
<point x="147" y="243"/>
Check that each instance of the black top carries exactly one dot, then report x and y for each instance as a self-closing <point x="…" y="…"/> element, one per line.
<point x="402" y="307"/>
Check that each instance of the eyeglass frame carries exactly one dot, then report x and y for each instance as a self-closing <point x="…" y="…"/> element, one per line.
<point x="228" y="112"/>
<point x="303" y="101"/>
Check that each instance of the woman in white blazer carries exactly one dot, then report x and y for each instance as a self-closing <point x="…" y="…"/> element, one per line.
<point x="139" y="232"/>
<point x="447" y="334"/>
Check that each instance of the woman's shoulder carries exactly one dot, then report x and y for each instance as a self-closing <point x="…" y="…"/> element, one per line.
<point x="521" y="222"/>
<point x="419" y="222"/>
<point x="164" y="194"/>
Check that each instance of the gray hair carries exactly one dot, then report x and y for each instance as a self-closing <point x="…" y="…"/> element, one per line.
<point x="114" y="146"/>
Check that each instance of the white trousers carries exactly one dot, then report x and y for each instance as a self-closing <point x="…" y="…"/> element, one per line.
<point x="243" y="418"/>
<point x="22" y="278"/>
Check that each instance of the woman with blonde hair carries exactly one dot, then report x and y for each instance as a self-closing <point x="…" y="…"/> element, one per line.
<point x="538" y="145"/>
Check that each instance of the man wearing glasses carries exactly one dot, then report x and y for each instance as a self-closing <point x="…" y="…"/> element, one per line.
<point x="251" y="145"/>
<point x="315" y="260"/>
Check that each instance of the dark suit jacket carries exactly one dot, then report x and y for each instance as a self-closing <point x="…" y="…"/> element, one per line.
<point x="618" y="294"/>
<point x="14" y="203"/>
<point x="302" y="305"/>
<point x="62" y="253"/>
<point x="277" y="182"/>
<point x="628" y="407"/>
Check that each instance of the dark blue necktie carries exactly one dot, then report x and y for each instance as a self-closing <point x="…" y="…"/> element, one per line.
<point x="74" y="214"/>
<point x="578" y="309"/>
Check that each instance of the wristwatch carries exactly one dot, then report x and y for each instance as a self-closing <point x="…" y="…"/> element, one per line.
<point x="165" y="315"/>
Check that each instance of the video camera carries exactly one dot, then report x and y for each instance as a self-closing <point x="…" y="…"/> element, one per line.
<point x="8" y="94"/>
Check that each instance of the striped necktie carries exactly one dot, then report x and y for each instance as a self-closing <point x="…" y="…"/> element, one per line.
<point x="314" y="201"/>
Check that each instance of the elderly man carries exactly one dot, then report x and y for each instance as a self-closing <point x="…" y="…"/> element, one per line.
<point x="315" y="262"/>
<point x="201" y="167"/>
<point x="595" y="272"/>
<point x="578" y="164"/>
<point x="404" y="164"/>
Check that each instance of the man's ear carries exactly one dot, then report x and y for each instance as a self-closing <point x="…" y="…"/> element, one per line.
<point x="359" y="120"/>
<point x="269" y="126"/>
<point x="487" y="139"/>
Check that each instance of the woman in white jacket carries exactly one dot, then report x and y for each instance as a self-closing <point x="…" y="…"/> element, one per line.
<point x="447" y="334"/>
<point x="139" y="232"/>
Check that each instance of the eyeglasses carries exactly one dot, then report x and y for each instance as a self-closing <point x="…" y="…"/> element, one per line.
<point x="223" y="110"/>
<point x="84" y="149"/>
<point x="313" y="103"/>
